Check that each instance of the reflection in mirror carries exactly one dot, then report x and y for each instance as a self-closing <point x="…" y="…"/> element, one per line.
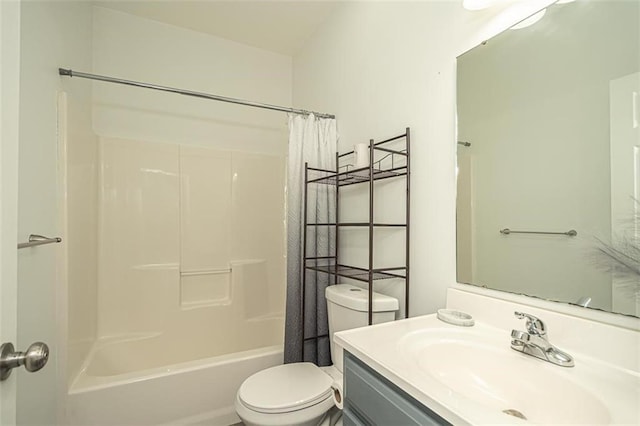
<point x="549" y="142"/>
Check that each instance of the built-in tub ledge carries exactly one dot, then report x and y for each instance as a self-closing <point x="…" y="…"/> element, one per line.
<point x="470" y="375"/>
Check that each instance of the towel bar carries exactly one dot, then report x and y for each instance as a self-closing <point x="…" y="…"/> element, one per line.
<point x="569" y="233"/>
<point x="39" y="240"/>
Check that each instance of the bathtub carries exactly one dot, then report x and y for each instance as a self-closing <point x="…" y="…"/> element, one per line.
<point x="140" y="380"/>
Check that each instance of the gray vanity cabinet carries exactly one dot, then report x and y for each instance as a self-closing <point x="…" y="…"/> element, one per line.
<point x="370" y="399"/>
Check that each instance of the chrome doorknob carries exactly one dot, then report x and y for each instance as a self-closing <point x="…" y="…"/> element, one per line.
<point x="33" y="359"/>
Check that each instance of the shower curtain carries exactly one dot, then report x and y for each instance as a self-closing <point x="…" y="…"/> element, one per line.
<point x="312" y="140"/>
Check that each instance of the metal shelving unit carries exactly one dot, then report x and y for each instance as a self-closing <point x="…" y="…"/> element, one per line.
<point x="384" y="163"/>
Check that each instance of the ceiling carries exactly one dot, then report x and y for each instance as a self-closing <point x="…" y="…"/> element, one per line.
<point x="279" y="26"/>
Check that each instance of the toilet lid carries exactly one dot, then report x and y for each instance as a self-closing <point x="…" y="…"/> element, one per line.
<point x="285" y="388"/>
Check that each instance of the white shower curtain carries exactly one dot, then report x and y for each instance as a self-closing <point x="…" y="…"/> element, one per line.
<point x="312" y="140"/>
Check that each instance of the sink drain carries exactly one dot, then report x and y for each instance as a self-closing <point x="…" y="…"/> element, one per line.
<point x="514" y="413"/>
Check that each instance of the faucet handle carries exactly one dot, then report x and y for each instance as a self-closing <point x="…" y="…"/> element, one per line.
<point x="535" y="326"/>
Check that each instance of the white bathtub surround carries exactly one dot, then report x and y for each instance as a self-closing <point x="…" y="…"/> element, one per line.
<point x="469" y="375"/>
<point x="192" y="393"/>
<point x="182" y="243"/>
<point x="191" y="283"/>
<point x="186" y="234"/>
<point x="111" y="358"/>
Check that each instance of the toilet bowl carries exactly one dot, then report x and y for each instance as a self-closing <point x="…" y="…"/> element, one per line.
<point x="291" y="394"/>
<point x="303" y="394"/>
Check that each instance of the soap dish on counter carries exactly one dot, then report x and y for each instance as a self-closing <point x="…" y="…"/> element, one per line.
<point x="455" y="317"/>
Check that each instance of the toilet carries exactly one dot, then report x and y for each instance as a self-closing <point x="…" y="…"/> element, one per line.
<point x="302" y="393"/>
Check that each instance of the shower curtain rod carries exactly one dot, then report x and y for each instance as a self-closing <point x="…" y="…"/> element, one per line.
<point x="71" y="73"/>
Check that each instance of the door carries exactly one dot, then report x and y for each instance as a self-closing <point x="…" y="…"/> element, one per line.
<point x="625" y="179"/>
<point x="28" y="205"/>
<point x="9" y="83"/>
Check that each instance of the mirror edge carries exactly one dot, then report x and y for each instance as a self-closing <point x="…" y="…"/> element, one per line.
<point x="502" y="21"/>
<point x="611" y="318"/>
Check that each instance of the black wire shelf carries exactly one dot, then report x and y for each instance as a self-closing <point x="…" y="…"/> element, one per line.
<point x="385" y="162"/>
<point x="360" y="224"/>
<point x="355" y="176"/>
<point x="358" y="274"/>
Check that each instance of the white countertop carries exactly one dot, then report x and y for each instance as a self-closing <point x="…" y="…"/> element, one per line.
<point x="397" y="351"/>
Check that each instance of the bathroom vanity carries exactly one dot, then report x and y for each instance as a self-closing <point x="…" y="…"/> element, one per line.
<point x="423" y="371"/>
<point x="372" y="399"/>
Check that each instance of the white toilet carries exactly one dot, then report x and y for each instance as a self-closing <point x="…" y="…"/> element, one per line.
<point x="302" y="394"/>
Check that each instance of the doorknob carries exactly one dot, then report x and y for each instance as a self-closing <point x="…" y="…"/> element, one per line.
<point x="33" y="359"/>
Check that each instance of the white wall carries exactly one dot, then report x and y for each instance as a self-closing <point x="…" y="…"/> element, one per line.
<point x="383" y="66"/>
<point x="134" y="48"/>
<point x="53" y="34"/>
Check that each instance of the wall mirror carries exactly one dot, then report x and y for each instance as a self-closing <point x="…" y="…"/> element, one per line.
<point x="549" y="157"/>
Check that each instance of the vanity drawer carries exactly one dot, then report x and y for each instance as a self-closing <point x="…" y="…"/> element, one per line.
<point x="370" y="399"/>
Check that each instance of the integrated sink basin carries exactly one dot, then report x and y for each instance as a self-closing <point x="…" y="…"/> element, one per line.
<point x="470" y="375"/>
<point x="476" y="366"/>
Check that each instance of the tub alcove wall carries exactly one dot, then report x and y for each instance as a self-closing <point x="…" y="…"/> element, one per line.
<point x="175" y="227"/>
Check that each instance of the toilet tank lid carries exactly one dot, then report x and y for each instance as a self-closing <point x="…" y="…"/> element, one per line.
<point x="356" y="298"/>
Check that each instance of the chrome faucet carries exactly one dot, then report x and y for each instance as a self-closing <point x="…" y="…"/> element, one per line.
<point x="535" y="342"/>
<point x="583" y="301"/>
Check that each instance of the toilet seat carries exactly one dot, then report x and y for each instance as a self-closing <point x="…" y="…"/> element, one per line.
<point x="286" y="388"/>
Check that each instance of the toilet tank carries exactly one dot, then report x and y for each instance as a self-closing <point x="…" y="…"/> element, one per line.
<point x="348" y="307"/>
